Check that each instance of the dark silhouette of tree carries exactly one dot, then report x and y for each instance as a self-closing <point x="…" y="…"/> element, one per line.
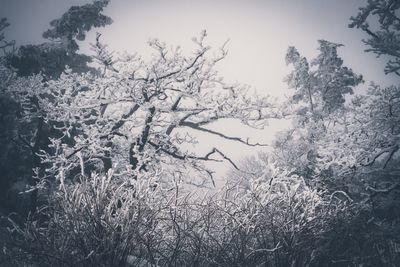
<point x="26" y="138"/>
<point x="50" y="58"/>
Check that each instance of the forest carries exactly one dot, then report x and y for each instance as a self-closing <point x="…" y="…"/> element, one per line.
<point x="97" y="166"/>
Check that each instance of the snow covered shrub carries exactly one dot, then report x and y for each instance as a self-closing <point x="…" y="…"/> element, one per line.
<point x="103" y="220"/>
<point x="98" y="221"/>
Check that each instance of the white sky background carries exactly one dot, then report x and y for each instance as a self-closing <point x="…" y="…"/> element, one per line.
<point x="259" y="31"/>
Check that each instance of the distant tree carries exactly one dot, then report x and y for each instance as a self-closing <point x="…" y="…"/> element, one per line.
<point x="317" y="103"/>
<point x="50" y="58"/>
<point x="4" y="44"/>
<point x="76" y="22"/>
<point x="350" y="146"/>
<point x="321" y="84"/>
<point x="384" y="39"/>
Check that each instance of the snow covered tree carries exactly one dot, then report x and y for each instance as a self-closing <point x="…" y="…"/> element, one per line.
<point x="386" y="39"/>
<point x="321" y="84"/>
<point x="363" y="146"/>
<point x="317" y="103"/>
<point x="50" y="58"/>
<point x="76" y="22"/>
<point x="139" y="117"/>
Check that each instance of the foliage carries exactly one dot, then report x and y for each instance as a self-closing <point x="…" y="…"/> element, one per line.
<point x="74" y="24"/>
<point x="316" y="105"/>
<point x="323" y="84"/>
<point x="4" y="44"/>
<point x="50" y="58"/>
<point x="386" y="39"/>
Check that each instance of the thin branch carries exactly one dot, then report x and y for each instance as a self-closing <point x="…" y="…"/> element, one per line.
<point x="376" y="191"/>
<point x="389" y="157"/>
<point x="25" y="141"/>
<point x="195" y="126"/>
<point x="206" y="157"/>
<point x="176" y="71"/>
<point x="225" y="157"/>
<point x="74" y="152"/>
<point x="174" y="125"/>
<point x="377" y="155"/>
<point x="265" y="250"/>
<point x="175" y="105"/>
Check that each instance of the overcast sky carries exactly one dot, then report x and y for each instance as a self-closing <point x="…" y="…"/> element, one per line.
<point x="259" y="30"/>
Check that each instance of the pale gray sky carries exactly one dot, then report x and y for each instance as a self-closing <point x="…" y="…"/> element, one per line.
<point x="259" y="30"/>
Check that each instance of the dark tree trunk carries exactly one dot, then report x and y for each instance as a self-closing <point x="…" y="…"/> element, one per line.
<point x="141" y="141"/>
